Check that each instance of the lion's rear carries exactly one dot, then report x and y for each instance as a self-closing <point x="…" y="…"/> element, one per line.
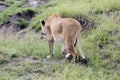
<point x="70" y="27"/>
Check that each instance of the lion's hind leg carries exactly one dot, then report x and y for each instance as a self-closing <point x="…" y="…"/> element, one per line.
<point x="71" y="51"/>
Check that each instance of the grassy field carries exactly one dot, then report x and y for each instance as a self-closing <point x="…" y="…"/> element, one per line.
<point x="24" y="58"/>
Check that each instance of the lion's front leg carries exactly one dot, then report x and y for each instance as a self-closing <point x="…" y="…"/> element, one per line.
<point x="51" y="48"/>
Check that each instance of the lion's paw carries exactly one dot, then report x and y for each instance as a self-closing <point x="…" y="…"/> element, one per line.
<point x="49" y="57"/>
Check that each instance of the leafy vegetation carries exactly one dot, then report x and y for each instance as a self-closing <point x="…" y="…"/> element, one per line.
<point x="22" y="55"/>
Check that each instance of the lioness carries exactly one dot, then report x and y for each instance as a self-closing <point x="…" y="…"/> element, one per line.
<point x="66" y="30"/>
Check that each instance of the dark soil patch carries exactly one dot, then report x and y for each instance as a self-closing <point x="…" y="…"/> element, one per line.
<point x="17" y="22"/>
<point x="27" y="15"/>
<point x="86" y="23"/>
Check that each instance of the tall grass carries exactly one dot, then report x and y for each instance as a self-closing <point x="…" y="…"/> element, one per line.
<point x="31" y="44"/>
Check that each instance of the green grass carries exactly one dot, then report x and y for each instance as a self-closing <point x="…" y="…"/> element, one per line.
<point x="101" y="45"/>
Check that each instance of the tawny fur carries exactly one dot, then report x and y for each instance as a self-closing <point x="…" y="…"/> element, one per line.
<point x="66" y="30"/>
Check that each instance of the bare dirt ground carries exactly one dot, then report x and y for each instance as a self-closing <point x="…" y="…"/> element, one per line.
<point x="28" y="68"/>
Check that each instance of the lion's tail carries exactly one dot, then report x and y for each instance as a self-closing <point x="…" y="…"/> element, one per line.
<point x="79" y="44"/>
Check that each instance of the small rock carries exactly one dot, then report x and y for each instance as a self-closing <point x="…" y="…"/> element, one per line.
<point x="33" y="3"/>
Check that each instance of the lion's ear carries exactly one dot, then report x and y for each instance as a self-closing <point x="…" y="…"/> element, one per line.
<point x="43" y="22"/>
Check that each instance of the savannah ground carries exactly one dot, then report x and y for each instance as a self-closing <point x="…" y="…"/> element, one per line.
<point x="23" y="53"/>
